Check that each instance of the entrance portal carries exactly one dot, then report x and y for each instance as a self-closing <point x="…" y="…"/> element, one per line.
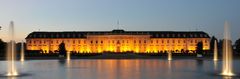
<point x="118" y="49"/>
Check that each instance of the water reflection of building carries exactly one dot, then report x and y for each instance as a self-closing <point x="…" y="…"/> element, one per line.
<point x="118" y="41"/>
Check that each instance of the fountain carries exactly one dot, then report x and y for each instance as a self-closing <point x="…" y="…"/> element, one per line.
<point x="227" y="53"/>
<point x="169" y="56"/>
<point x="22" y="52"/>
<point x="11" y="56"/>
<point x="215" y="58"/>
<point x="68" y="56"/>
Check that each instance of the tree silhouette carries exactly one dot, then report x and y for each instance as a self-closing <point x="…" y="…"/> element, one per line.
<point x="2" y="47"/>
<point x="62" y="49"/>
<point x="237" y="46"/>
<point x="212" y="43"/>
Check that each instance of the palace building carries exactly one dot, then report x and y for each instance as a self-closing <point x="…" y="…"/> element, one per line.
<point x="118" y="41"/>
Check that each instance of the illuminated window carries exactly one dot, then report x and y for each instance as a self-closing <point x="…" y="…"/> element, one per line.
<point x="118" y="42"/>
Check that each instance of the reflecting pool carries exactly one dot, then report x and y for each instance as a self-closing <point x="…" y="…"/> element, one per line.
<point x="120" y="69"/>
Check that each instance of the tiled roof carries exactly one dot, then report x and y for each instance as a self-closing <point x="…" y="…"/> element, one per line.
<point x="154" y="34"/>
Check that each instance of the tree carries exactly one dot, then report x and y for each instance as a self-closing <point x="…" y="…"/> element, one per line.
<point x="237" y="46"/>
<point x="220" y="46"/>
<point x="2" y="44"/>
<point x="2" y="47"/>
<point x="212" y="43"/>
<point x="199" y="48"/>
<point x="62" y="50"/>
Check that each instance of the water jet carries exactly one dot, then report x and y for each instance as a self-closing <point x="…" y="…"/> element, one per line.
<point x="215" y="58"/>
<point x="11" y="53"/>
<point x="22" y="52"/>
<point x="227" y="53"/>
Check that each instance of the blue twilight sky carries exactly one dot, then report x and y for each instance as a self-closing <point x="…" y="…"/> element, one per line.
<point x="102" y="15"/>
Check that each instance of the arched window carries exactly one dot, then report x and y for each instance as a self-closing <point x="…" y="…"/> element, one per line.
<point x="118" y="42"/>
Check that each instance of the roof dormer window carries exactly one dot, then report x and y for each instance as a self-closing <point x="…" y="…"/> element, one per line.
<point x="40" y="35"/>
<point x="206" y="36"/>
<point x="191" y="35"/>
<point x="156" y="35"/>
<point x="68" y="35"/>
<point x="201" y="35"/>
<point x="57" y="35"/>
<point x="173" y="35"/>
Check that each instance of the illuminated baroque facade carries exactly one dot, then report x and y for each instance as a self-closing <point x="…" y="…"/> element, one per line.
<point x="118" y="41"/>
